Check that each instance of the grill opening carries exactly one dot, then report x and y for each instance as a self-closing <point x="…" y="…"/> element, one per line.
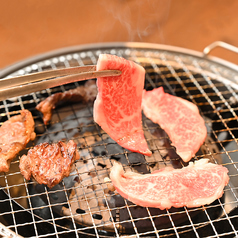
<point x="85" y="204"/>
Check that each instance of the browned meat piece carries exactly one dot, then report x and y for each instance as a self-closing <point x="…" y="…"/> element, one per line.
<point x="49" y="164"/>
<point x="15" y="133"/>
<point x="85" y="93"/>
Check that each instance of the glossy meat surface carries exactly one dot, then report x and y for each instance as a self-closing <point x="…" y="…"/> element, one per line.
<point x="49" y="163"/>
<point x="117" y="108"/>
<point x="15" y="133"/>
<point x="197" y="184"/>
<point x="83" y="93"/>
<point x="179" y="118"/>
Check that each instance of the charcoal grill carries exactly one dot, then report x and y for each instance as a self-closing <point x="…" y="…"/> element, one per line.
<point x="85" y="204"/>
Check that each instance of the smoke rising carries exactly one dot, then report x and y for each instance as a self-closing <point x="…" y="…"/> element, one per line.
<point x="142" y="20"/>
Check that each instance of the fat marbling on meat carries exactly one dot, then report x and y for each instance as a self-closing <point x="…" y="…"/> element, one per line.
<point x="179" y="118"/>
<point x="198" y="184"/>
<point x="15" y="133"/>
<point x="117" y="108"/>
<point x="49" y="163"/>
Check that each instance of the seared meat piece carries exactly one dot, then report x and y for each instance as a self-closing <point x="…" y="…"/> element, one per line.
<point x="15" y="133"/>
<point x="84" y="93"/>
<point x="49" y="164"/>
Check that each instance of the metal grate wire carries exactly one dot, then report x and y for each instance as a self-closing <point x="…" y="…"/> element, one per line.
<point x="74" y="209"/>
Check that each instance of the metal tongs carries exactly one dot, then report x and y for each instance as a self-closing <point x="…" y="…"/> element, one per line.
<point x="21" y="85"/>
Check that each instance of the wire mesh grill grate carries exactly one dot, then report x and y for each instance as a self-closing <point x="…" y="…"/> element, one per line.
<point x="84" y="204"/>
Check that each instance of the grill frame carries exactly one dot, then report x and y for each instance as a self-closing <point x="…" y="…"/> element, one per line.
<point x="114" y="45"/>
<point x="224" y="69"/>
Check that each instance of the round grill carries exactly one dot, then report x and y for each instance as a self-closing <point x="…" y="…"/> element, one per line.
<point x="85" y="204"/>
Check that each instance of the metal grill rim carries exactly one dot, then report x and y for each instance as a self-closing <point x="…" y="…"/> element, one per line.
<point x="136" y="53"/>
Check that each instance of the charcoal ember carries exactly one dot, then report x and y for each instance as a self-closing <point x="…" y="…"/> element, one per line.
<point x="111" y="149"/>
<point x="136" y="158"/>
<point x="70" y="126"/>
<point x="111" y="203"/>
<point x="116" y="201"/>
<point x="141" y="218"/>
<point x="163" y="145"/>
<point x="138" y="162"/>
<point x="116" y="152"/>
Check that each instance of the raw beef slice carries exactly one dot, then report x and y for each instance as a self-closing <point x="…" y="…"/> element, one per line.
<point x="117" y="108"/>
<point x="179" y="118"/>
<point x="197" y="184"/>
